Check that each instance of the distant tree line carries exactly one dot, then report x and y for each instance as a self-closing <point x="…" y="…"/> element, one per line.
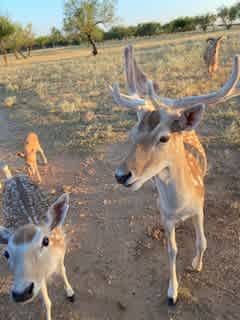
<point x="93" y="21"/>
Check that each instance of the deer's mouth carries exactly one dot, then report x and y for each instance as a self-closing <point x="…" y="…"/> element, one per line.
<point x="134" y="186"/>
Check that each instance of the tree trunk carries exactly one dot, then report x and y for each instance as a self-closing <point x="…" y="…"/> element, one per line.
<point x="29" y="49"/>
<point x="94" y="51"/>
<point x="4" y="52"/>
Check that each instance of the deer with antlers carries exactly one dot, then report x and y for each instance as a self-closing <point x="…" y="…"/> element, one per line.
<point x="34" y="238"/>
<point x="166" y="148"/>
<point x="211" y="55"/>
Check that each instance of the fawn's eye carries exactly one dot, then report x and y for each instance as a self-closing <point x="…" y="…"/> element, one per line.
<point x="45" y="242"/>
<point x="6" y="255"/>
<point x="164" y="139"/>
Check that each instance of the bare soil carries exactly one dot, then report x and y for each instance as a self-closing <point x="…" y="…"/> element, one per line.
<point x="117" y="265"/>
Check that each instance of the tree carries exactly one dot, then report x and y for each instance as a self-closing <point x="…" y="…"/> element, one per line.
<point x="56" y="37"/>
<point x="206" y="20"/>
<point x="29" y="38"/>
<point x="120" y="32"/>
<point x="180" y="25"/>
<point x="42" y="42"/>
<point x="16" y="40"/>
<point x="148" y="29"/>
<point x="83" y="17"/>
<point x="183" y="24"/>
<point x="6" y="30"/>
<point x="228" y="15"/>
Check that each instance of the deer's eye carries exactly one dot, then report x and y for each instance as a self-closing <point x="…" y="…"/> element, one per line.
<point x="45" y="242"/>
<point x="6" y="255"/>
<point x="164" y="139"/>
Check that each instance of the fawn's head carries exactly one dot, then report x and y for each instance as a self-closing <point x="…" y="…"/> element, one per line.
<point x="214" y="44"/>
<point x="33" y="251"/>
<point x="156" y="138"/>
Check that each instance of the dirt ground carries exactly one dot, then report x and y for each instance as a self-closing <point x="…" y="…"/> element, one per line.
<point x="117" y="269"/>
<point x="117" y="260"/>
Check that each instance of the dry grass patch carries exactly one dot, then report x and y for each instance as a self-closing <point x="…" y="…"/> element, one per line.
<point x="71" y="97"/>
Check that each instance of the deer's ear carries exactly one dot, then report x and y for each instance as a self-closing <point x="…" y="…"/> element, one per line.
<point x="58" y="211"/>
<point x="189" y="119"/>
<point x="5" y="234"/>
<point x="210" y="40"/>
<point x="20" y="154"/>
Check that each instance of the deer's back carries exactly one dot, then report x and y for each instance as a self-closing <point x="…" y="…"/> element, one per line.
<point x="195" y="154"/>
<point x="31" y="142"/>
<point x="23" y="202"/>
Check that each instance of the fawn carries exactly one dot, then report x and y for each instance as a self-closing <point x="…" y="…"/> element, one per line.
<point x="34" y="238"/>
<point x="31" y="148"/>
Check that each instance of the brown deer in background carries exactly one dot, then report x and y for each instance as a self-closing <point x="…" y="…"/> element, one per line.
<point x="211" y="55"/>
<point x="34" y="238"/>
<point x="165" y="147"/>
<point x="31" y="148"/>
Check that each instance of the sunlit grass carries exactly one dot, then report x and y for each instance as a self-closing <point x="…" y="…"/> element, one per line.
<point x="68" y="101"/>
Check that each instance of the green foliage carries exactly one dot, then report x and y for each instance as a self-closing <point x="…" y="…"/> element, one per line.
<point x="98" y="34"/>
<point x="42" y="42"/>
<point x="206" y="20"/>
<point x="6" y="28"/>
<point x="120" y="32"/>
<point x="29" y="36"/>
<point x="229" y="14"/>
<point x="16" y="39"/>
<point x="148" y="29"/>
<point x="83" y="16"/>
<point x="56" y="38"/>
<point x="181" y="24"/>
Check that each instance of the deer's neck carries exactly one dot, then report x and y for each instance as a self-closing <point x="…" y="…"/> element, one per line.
<point x="173" y="181"/>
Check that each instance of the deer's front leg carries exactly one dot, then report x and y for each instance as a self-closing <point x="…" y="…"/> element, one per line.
<point x="172" y="253"/>
<point x="201" y="242"/>
<point x="36" y="172"/>
<point x="46" y="300"/>
<point x="43" y="156"/>
<point x="67" y="286"/>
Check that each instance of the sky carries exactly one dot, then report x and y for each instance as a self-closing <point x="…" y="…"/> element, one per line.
<point x="47" y="13"/>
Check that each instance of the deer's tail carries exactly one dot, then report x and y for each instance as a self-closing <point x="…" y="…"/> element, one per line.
<point x="5" y="169"/>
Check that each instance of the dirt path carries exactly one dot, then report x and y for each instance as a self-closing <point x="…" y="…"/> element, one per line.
<point x="117" y="270"/>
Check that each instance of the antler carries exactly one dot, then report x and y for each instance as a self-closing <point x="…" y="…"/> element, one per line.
<point x="137" y="81"/>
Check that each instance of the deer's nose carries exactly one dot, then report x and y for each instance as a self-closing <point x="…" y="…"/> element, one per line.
<point x="122" y="176"/>
<point x="25" y="295"/>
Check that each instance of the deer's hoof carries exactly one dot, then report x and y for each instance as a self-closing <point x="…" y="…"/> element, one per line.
<point x="172" y="301"/>
<point x="71" y="298"/>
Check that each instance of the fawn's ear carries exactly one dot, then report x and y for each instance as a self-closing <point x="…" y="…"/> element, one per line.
<point x="188" y="119"/>
<point x="58" y="211"/>
<point x="20" y="154"/>
<point x="5" y="234"/>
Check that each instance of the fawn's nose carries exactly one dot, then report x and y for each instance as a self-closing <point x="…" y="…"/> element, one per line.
<point x="25" y="295"/>
<point x="122" y="176"/>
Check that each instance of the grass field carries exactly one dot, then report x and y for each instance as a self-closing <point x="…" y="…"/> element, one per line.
<point x="53" y="97"/>
<point x="119" y="272"/>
